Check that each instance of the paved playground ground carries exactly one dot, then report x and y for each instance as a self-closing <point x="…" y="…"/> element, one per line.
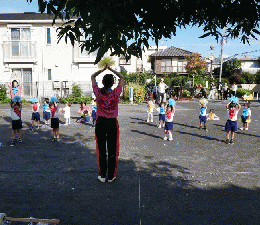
<point x="195" y="179"/>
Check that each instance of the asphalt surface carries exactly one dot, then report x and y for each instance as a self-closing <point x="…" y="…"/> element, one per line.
<point x="195" y="179"/>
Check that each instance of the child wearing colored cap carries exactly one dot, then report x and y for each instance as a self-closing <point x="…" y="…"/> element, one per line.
<point x="231" y="124"/>
<point x="55" y="122"/>
<point x="35" y="115"/>
<point x="170" y="110"/>
<point x="161" y="110"/>
<point x="46" y="112"/>
<point x="246" y="116"/>
<point x="203" y="117"/>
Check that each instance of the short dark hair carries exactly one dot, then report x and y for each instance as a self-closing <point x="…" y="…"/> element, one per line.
<point x="108" y="80"/>
<point x="232" y="104"/>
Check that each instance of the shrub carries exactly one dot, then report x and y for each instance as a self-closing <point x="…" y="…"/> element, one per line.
<point x="139" y="92"/>
<point x="74" y="100"/>
<point x="139" y="78"/>
<point x="76" y="91"/>
<point x="241" y="92"/>
<point x="186" y="93"/>
<point x="5" y="101"/>
<point x="249" y="78"/>
<point x="223" y="81"/>
<point x="257" y="77"/>
<point x="3" y="93"/>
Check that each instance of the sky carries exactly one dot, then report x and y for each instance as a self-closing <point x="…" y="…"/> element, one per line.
<point x="187" y="39"/>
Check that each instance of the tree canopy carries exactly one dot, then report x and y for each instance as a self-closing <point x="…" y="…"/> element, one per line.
<point x="195" y="64"/>
<point x="125" y="26"/>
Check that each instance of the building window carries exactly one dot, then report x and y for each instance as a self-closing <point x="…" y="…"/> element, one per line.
<point x="49" y="74"/>
<point x="21" y="39"/>
<point x="171" y="65"/>
<point x="123" y="61"/>
<point x="166" y="66"/>
<point x="48" y="35"/>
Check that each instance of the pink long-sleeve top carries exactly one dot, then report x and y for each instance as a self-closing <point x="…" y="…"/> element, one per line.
<point x="107" y="104"/>
<point x="18" y="93"/>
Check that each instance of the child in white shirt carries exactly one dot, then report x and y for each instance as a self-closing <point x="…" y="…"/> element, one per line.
<point x="231" y="124"/>
<point x="170" y="110"/>
<point x="67" y="113"/>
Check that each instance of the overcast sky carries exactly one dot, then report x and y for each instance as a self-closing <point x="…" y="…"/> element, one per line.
<point x="187" y="39"/>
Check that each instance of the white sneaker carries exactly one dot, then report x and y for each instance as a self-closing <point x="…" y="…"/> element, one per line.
<point x="241" y="128"/>
<point x="170" y="139"/>
<point x="151" y="121"/>
<point x="246" y="128"/>
<point x="165" y="138"/>
<point x="101" y="179"/>
<point x="147" y="121"/>
<point x="110" y="181"/>
<point x="159" y="126"/>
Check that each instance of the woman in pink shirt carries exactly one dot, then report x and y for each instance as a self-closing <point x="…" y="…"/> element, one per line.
<point x="107" y="127"/>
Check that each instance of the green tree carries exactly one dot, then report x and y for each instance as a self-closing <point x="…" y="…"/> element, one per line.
<point x="125" y="26"/>
<point x="232" y="70"/>
<point x="76" y="91"/>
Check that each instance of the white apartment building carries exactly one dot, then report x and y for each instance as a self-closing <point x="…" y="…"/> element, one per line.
<point x="29" y="51"/>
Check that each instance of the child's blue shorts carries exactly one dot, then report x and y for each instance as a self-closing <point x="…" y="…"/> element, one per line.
<point x="36" y="116"/>
<point x="168" y="126"/>
<point x="94" y="114"/>
<point x="46" y="115"/>
<point x="244" y="118"/>
<point x="203" y="119"/>
<point x="231" y="126"/>
<point x="55" y="123"/>
<point x="162" y="117"/>
<point x="17" y="124"/>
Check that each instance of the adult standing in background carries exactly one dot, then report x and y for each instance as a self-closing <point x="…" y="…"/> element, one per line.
<point x="107" y="127"/>
<point x="234" y="89"/>
<point x="225" y="91"/>
<point x="161" y="89"/>
<point x="220" y="91"/>
<point x="212" y="91"/>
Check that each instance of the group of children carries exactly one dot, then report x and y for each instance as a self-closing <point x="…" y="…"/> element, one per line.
<point x="86" y="112"/>
<point x="50" y="116"/>
<point x="166" y="114"/>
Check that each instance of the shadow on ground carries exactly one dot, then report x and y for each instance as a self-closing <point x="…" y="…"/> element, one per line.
<point x="43" y="179"/>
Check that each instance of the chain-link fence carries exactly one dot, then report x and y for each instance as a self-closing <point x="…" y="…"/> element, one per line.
<point x="47" y="89"/>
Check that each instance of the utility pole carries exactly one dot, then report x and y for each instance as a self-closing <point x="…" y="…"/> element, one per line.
<point x="222" y="51"/>
<point x="211" y="59"/>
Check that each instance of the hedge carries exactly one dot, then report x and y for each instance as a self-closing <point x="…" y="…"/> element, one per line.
<point x="138" y="92"/>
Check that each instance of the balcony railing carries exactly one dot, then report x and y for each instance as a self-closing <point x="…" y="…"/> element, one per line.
<point x="19" y="51"/>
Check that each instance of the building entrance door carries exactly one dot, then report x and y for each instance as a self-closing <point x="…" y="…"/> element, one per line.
<point x="26" y="81"/>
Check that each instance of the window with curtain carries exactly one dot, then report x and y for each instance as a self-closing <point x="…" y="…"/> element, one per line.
<point x="166" y="65"/>
<point x="21" y="41"/>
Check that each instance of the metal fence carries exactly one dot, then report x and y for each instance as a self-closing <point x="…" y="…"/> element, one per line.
<point x="47" y="89"/>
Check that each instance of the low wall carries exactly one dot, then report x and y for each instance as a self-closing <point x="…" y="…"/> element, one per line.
<point x="252" y="87"/>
